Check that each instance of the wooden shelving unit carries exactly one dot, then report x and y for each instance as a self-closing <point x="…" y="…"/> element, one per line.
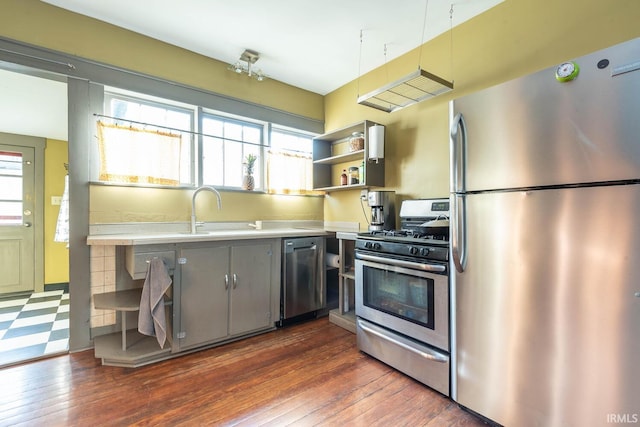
<point x="341" y="158"/>
<point x="331" y="154"/>
<point x="128" y="348"/>
<point x="345" y="315"/>
<point x="141" y="349"/>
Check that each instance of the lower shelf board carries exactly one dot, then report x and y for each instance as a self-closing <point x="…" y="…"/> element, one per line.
<point x="346" y="320"/>
<point x="141" y="349"/>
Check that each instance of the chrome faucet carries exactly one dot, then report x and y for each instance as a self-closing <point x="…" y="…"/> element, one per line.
<point x="193" y="204"/>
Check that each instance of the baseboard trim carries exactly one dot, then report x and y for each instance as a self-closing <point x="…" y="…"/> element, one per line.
<point x="57" y="287"/>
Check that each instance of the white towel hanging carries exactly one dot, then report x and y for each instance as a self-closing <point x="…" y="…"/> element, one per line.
<point x="151" y="316"/>
<point x="62" y="226"/>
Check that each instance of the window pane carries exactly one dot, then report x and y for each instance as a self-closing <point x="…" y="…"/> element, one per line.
<point x="233" y="164"/>
<point x="252" y="135"/>
<point x="10" y="163"/>
<point x="178" y="120"/>
<point x="224" y="158"/>
<point x="233" y="131"/>
<point x="119" y="108"/>
<point x="212" y="127"/>
<point x="290" y="168"/>
<point x="290" y="141"/>
<point x="257" y="170"/>
<point x="133" y="155"/>
<point x="10" y="188"/>
<point x="128" y="163"/>
<point x="212" y="161"/>
<point x="186" y="148"/>
<point x="11" y="213"/>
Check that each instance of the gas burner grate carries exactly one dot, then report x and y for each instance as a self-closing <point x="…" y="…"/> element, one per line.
<point x="407" y="233"/>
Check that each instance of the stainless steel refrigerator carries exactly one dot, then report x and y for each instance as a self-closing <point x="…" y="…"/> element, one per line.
<point x="545" y="245"/>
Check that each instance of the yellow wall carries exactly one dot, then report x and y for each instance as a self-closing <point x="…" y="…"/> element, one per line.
<point x="110" y="204"/>
<point x="56" y="255"/>
<point x="512" y="39"/>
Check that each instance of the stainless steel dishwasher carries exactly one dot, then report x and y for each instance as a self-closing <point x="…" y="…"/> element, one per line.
<point x="303" y="278"/>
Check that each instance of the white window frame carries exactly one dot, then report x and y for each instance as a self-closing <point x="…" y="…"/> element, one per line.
<point x="296" y="153"/>
<point x="137" y="98"/>
<point x="198" y="115"/>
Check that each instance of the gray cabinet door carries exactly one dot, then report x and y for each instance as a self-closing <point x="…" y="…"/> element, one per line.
<point x="204" y="302"/>
<point x="251" y="288"/>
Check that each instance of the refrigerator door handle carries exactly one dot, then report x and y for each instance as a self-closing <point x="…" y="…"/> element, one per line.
<point x="457" y="183"/>
<point x="457" y="152"/>
<point x="459" y="232"/>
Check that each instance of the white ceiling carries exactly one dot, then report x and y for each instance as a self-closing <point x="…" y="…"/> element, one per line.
<point x="33" y="106"/>
<point x="311" y="44"/>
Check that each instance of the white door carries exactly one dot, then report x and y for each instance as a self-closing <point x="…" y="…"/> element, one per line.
<point x="17" y="208"/>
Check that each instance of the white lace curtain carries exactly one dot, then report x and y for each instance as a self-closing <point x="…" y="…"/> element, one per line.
<point x="132" y="155"/>
<point x="62" y="225"/>
<point x="289" y="173"/>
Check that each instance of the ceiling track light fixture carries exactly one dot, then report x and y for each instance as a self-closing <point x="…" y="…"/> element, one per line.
<point x="244" y="65"/>
<point x="411" y="89"/>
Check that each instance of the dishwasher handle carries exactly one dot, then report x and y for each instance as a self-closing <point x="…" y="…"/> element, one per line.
<point x="299" y="245"/>
<point x="311" y="248"/>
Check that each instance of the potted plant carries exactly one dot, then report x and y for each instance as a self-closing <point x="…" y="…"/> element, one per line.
<point x="248" y="182"/>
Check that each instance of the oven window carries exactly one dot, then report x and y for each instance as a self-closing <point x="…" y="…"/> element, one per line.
<point x="402" y="295"/>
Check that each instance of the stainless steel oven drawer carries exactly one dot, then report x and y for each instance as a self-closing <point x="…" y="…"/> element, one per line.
<point x="423" y="363"/>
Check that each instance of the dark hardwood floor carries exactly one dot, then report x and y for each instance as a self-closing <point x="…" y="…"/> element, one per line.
<point x="303" y="375"/>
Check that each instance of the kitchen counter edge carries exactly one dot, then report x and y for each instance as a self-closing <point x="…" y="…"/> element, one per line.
<point x="160" y="238"/>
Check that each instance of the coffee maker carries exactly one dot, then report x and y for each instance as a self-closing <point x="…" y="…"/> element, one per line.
<point x="383" y="211"/>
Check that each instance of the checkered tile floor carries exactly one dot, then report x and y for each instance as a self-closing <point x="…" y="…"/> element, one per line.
<point x="33" y="326"/>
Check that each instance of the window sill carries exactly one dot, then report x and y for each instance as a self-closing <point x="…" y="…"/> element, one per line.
<point x="192" y="187"/>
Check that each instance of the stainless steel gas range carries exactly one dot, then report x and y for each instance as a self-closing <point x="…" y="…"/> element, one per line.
<point x="402" y="294"/>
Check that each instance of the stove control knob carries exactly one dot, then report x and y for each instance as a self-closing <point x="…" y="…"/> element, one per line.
<point x="377" y="246"/>
<point x="367" y="245"/>
<point x="424" y="251"/>
<point x="413" y="250"/>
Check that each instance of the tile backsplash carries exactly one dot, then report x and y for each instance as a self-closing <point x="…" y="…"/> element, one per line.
<point x="103" y="279"/>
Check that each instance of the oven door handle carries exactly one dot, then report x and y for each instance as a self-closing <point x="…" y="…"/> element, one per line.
<point x="435" y="268"/>
<point x="425" y="353"/>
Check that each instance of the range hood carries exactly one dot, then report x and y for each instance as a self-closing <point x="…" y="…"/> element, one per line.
<point x="411" y="89"/>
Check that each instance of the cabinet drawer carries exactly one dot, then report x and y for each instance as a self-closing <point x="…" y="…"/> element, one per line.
<point x="136" y="260"/>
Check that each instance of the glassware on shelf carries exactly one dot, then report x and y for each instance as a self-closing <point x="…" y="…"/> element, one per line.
<point x="354" y="175"/>
<point x="356" y="142"/>
<point x="343" y="177"/>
